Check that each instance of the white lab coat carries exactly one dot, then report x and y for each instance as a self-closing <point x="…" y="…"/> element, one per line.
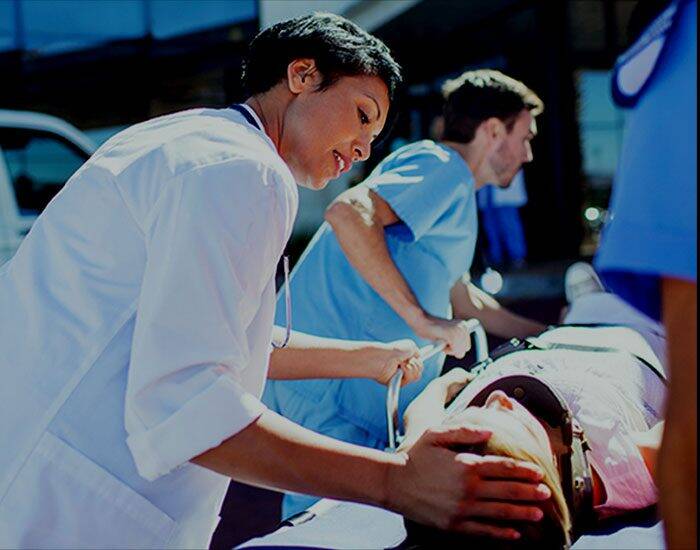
<point x="135" y="327"/>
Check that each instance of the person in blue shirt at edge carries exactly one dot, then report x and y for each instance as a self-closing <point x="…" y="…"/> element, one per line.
<point x="648" y="254"/>
<point x="390" y="261"/>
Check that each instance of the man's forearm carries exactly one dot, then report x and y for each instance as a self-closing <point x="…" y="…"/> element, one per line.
<point x="358" y="219"/>
<point x="468" y="301"/>
<point x="314" y="464"/>
<point x="363" y="243"/>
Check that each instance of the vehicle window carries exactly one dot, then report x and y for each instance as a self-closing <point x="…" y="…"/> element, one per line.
<point x="39" y="163"/>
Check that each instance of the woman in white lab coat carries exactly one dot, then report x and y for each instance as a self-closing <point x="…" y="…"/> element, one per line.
<point x="136" y="321"/>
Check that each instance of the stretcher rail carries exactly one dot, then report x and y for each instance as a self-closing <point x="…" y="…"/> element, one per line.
<point x="393" y="390"/>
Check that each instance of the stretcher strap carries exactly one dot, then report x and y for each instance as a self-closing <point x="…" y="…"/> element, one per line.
<point x="538" y="343"/>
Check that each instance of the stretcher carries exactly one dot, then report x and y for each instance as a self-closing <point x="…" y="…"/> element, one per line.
<point x="336" y="524"/>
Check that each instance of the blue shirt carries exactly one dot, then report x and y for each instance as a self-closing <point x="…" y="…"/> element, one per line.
<point x="430" y="188"/>
<point x="653" y="229"/>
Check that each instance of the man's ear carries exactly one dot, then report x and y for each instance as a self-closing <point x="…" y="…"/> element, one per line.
<point x="302" y="75"/>
<point x="494" y="128"/>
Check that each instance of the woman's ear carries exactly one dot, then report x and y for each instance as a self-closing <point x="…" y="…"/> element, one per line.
<point x="302" y="75"/>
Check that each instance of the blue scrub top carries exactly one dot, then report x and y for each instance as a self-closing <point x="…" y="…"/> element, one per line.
<point x="652" y="232"/>
<point x="431" y="189"/>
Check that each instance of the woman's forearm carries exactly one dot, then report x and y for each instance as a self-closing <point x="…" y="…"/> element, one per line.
<point x="308" y="356"/>
<point x="314" y="464"/>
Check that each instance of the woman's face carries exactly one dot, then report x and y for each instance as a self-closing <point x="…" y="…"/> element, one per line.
<point x="324" y="132"/>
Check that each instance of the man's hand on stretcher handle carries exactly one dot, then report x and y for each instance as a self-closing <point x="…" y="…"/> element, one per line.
<point x="454" y="332"/>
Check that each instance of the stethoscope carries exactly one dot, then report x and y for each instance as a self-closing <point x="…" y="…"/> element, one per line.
<point x="250" y="119"/>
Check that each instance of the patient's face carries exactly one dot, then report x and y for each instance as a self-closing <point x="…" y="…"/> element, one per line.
<point x="500" y="411"/>
<point x="515" y="429"/>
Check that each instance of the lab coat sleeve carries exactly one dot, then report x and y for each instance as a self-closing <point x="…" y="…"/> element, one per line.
<point x="212" y="246"/>
<point x="420" y="188"/>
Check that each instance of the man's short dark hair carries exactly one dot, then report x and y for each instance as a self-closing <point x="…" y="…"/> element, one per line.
<point x="476" y="96"/>
<point x="338" y="46"/>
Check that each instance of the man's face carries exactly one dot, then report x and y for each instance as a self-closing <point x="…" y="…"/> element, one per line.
<point x="513" y="150"/>
<point x="325" y="132"/>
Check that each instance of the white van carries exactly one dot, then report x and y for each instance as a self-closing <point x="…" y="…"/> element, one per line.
<point x="38" y="153"/>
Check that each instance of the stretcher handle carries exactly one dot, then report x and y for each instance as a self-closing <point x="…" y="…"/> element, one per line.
<point x="426" y="352"/>
<point x="392" y="394"/>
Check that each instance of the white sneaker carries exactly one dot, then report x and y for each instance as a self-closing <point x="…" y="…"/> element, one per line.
<point x="580" y="279"/>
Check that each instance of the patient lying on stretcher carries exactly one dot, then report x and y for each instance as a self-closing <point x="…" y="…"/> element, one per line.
<point x="615" y="394"/>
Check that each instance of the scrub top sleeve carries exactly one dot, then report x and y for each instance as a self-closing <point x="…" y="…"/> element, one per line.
<point x="420" y="188"/>
<point x="212" y="249"/>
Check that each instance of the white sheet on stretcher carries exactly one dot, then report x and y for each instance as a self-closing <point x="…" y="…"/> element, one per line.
<point x="348" y="525"/>
<point x="339" y="525"/>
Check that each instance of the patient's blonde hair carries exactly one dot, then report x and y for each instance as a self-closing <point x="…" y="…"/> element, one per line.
<point x="509" y="439"/>
<point x="512" y="441"/>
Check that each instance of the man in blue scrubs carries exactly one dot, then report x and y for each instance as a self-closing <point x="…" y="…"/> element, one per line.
<point x="649" y="250"/>
<point x="388" y="263"/>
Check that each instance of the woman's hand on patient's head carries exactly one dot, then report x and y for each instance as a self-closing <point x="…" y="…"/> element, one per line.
<point x="389" y="358"/>
<point x="463" y="491"/>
